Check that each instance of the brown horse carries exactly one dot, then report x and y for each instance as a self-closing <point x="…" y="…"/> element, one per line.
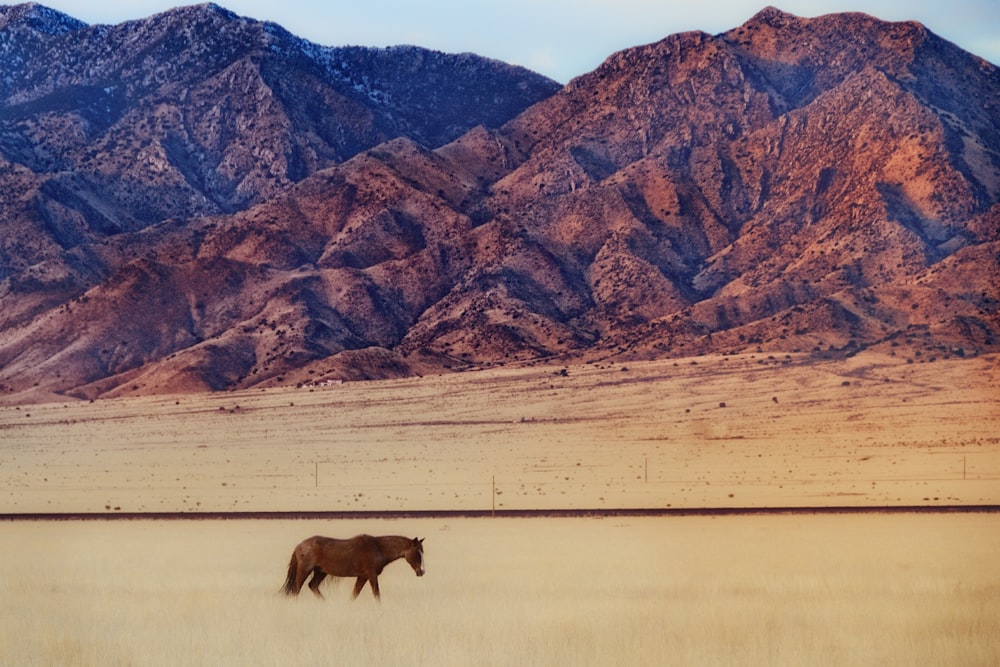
<point x="363" y="557"/>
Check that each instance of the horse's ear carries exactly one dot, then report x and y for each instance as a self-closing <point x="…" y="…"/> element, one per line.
<point x="417" y="540"/>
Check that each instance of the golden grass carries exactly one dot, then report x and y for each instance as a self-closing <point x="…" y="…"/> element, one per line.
<point x="776" y="590"/>
<point x="870" y="431"/>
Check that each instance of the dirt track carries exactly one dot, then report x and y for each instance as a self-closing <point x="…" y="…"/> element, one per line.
<point x="500" y="514"/>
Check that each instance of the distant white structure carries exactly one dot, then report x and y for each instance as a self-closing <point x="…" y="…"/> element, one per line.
<point x="323" y="383"/>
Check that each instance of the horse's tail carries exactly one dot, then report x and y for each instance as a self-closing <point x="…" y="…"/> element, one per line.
<point x="293" y="567"/>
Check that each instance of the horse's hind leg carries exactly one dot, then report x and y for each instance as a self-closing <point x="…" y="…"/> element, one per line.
<point x="318" y="577"/>
<point x="301" y="574"/>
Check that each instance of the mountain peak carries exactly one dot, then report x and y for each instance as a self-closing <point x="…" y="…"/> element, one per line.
<point x="204" y="9"/>
<point x="772" y="15"/>
<point x="38" y="18"/>
<point x="204" y="14"/>
<point x="846" y="25"/>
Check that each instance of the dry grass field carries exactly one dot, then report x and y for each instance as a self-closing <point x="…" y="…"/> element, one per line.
<point x="870" y="431"/>
<point x="715" y="432"/>
<point x="735" y="590"/>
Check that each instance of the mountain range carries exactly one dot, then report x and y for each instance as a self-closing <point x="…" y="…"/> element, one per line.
<point x="200" y="201"/>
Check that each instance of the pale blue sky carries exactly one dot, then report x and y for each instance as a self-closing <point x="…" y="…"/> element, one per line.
<point x="558" y="38"/>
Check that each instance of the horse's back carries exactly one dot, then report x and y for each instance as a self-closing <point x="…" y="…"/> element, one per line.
<point x="338" y="557"/>
<point x="321" y="541"/>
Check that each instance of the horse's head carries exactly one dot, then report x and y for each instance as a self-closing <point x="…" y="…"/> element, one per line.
<point x="415" y="556"/>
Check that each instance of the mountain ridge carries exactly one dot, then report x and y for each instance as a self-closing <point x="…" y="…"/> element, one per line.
<point x="816" y="185"/>
<point x="197" y="112"/>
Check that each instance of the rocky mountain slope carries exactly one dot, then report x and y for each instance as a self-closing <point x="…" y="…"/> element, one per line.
<point x="816" y="185"/>
<point x="110" y="129"/>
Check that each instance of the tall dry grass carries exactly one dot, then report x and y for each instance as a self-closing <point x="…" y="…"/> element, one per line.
<point x="776" y="590"/>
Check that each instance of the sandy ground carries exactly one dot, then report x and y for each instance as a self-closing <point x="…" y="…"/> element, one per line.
<point x="748" y="431"/>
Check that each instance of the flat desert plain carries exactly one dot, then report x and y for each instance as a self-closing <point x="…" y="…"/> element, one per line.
<point x="756" y="431"/>
<point x="749" y="431"/>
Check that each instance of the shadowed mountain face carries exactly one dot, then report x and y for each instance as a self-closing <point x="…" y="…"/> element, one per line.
<point x="112" y="129"/>
<point x="820" y="185"/>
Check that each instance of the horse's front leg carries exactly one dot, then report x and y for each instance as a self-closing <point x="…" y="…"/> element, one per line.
<point x="375" y="591"/>
<point x="358" y="585"/>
